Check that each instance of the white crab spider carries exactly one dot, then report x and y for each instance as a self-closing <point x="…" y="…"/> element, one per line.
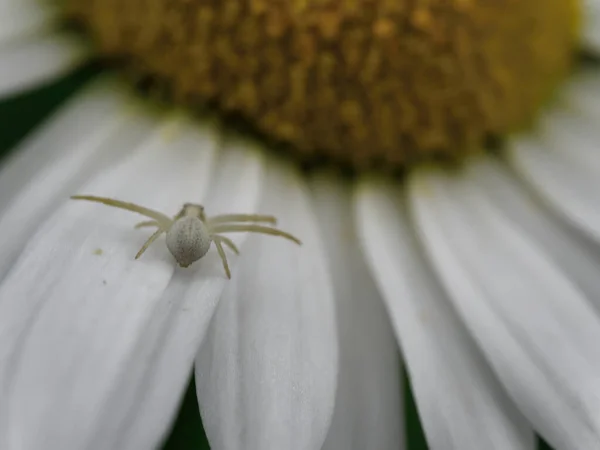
<point x="190" y="232"/>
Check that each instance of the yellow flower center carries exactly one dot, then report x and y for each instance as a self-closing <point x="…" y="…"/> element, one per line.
<point x="361" y="82"/>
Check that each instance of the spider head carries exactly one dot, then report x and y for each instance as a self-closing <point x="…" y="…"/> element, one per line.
<point x="192" y="210"/>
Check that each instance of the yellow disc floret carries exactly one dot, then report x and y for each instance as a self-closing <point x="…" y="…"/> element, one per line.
<point x="366" y="82"/>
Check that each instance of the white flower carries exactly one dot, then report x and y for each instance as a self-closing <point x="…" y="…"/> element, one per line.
<point x="489" y="281"/>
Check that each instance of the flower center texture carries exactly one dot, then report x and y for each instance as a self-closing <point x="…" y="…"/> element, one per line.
<point x="369" y="83"/>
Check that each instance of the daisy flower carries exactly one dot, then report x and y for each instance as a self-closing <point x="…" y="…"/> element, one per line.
<point x="437" y="159"/>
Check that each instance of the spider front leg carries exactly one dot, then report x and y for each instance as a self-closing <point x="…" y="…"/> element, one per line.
<point x="160" y="218"/>
<point x="146" y="223"/>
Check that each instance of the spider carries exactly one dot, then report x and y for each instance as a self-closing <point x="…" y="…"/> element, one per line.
<point x="190" y="232"/>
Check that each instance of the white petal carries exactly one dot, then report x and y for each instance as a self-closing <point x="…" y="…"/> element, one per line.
<point x="82" y="335"/>
<point x="573" y="255"/>
<point x="557" y="168"/>
<point x="368" y="410"/>
<point x="582" y="92"/>
<point x="25" y="18"/>
<point x="536" y="329"/>
<point x="184" y="312"/>
<point x="591" y="25"/>
<point x="37" y="60"/>
<point x="462" y="405"/>
<point x="86" y="134"/>
<point x="573" y="135"/>
<point x="266" y="372"/>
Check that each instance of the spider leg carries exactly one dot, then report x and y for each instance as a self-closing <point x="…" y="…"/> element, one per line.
<point x="150" y="240"/>
<point x="228" y="218"/>
<point x="147" y="223"/>
<point x="228" y="242"/>
<point x="164" y="220"/>
<point x="223" y="257"/>
<point x="233" y="228"/>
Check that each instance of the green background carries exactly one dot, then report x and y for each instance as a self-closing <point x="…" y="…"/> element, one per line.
<point x="20" y="115"/>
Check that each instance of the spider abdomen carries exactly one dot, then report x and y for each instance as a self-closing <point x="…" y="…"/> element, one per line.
<point x="188" y="240"/>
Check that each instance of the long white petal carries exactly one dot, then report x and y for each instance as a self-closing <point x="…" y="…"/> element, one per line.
<point x="582" y="92"/>
<point x="566" y="182"/>
<point x="81" y="320"/>
<point x="537" y="330"/>
<point x="37" y="60"/>
<point x="84" y="136"/>
<point x="25" y="18"/>
<point x="561" y="161"/>
<point x="575" y="257"/>
<point x="187" y="305"/>
<point x="591" y="25"/>
<point x="368" y="410"/>
<point x="461" y="403"/>
<point x="266" y="373"/>
<point x="572" y="134"/>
